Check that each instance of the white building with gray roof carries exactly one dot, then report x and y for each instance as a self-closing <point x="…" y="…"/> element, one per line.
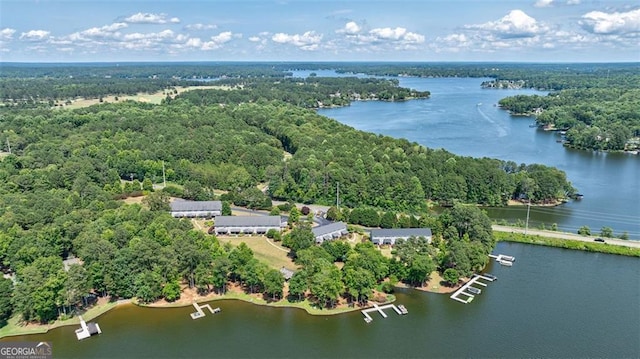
<point x="329" y="231"/>
<point x="246" y="224"/>
<point x="195" y="209"/>
<point x="392" y="235"/>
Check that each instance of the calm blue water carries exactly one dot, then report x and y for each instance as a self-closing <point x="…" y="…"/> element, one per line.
<point x="463" y="118"/>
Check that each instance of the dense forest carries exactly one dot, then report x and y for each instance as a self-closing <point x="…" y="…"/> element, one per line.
<point x="64" y="173"/>
<point x="594" y="118"/>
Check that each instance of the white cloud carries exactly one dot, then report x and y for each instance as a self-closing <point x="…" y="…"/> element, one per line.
<point x="200" y="27"/>
<point x="149" y="18"/>
<point x="107" y="31"/>
<point x="307" y="41"/>
<point x="35" y="35"/>
<point x="514" y="24"/>
<point x="350" y="28"/>
<point x="215" y="42"/>
<point x="7" y="33"/>
<point x="620" y="23"/>
<point x="399" y="34"/>
<point x="573" y="2"/>
<point x="543" y="3"/>
<point x="254" y="38"/>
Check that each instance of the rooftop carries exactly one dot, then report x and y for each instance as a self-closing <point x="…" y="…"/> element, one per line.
<point x="401" y="232"/>
<point x="184" y="205"/>
<point x="329" y="228"/>
<point x="247" y="221"/>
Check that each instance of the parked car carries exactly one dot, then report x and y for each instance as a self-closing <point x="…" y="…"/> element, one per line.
<point x="599" y="240"/>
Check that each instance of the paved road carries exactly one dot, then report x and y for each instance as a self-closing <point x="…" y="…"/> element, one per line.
<point x="564" y="235"/>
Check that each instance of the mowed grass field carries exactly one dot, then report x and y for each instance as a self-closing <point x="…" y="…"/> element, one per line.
<point x="154" y="98"/>
<point x="273" y="254"/>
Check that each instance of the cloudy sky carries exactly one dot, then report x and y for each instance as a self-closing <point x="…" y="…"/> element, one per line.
<point x="320" y="30"/>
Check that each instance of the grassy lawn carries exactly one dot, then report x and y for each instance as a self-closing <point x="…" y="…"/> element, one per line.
<point x="154" y="98"/>
<point x="273" y="254"/>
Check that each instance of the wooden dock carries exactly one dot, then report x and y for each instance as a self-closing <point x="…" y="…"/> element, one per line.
<point x="199" y="313"/>
<point x="503" y="259"/>
<point x="464" y="290"/>
<point x="401" y="310"/>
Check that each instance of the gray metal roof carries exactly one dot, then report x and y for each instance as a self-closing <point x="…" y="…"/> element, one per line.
<point x="401" y="232"/>
<point x="329" y="228"/>
<point x="247" y="221"/>
<point x="182" y="205"/>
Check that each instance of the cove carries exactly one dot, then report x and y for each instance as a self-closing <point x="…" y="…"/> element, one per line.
<point x="464" y="119"/>
<point x="551" y="303"/>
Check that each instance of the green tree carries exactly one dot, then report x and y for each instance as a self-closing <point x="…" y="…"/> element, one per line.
<point x="298" y="239"/>
<point x="148" y="286"/>
<point x="226" y="208"/>
<point x="359" y="283"/>
<point x="419" y="270"/>
<point x="333" y="214"/>
<point x="451" y="276"/>
<point x="606" y="232"/>
<point x="171" y="291"/>
<point x="326" y="283"/>
<point x="147" y="185"/>
<point x="584" y="231"/>
<point x="273" y="283"/>
<point x="6" y="305"/>
<point x="298" y="284"/>
<point x="157" y="201"/>
<point x="388" y="220"/>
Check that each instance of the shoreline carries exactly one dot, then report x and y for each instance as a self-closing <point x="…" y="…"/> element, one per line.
<point x="434" y="285"/>
<point x="13" y="328"/>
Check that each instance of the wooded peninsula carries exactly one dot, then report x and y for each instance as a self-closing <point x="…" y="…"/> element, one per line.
<point x="66" y="176"/>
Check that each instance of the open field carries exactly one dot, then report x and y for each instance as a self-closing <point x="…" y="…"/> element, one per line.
<point x="154" y="98"/>
<point x="273" y="254"/>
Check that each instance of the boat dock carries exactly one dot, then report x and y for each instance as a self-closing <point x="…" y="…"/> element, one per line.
<point x="87" y="330"/>
<point x="469" y="291"/>
<point x="401" y="310"/>
<point x="503" y="259"/>
<point x="199" y="313"/>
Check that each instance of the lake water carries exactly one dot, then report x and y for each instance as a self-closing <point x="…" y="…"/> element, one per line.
<point x="552" y="303"/>
<point x="463" y="118"/>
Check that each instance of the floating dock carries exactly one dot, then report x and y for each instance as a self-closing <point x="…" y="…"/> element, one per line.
<point x="470" y="292"/>
<point x="199" y="313"/>
<point x="87" y="330"/>
<point x="503" y="259"/>
<point x="401" y="310"/>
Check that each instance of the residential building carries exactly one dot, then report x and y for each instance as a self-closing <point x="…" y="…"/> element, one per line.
<point x="195" y="209"/>
<point x="329" y="231"/>
<point x="392" y="235"/>
<point x="246" y="224"/>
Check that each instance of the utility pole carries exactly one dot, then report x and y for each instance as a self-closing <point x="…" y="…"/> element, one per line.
<point x="338" y="196"/>
<point x="8" y="145"/>
<point x="526" y="226"/>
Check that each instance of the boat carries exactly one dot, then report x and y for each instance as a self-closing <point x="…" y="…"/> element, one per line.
<point x="533" y="125"/>
<point x="579" y="195"/>
<point x="479" y="104"/>
<point x="490" y="276"/>
<point x="474" y="290"/>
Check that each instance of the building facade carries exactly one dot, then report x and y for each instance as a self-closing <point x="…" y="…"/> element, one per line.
<point x="392" y="235"/>
<point x="230" y="225"/>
